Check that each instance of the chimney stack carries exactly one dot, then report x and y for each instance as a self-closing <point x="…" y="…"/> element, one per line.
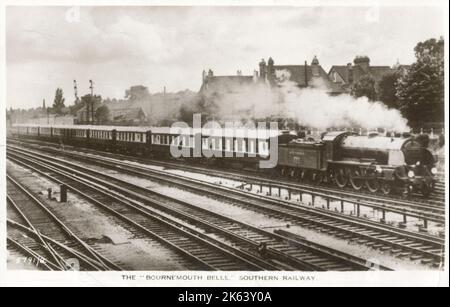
<point x="363" y="62"/>
<point x="262" y="70"/>
<point x="306" y="74"/>
<point x="315" y="67"/>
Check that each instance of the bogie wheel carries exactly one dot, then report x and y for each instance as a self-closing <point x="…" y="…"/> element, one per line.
<point x="293" y="173"/>
<point x="303" y="175"/>
<point x="386" y="188"/>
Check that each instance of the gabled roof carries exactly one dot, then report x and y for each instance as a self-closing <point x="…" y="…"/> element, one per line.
<point x="303" y="76"/>
<point x="376" y="72"/>
<point x="342" y="70"/>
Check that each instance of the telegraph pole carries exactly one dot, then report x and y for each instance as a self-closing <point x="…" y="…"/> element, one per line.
<point x="75" y="89"/>
<point x="91" y="87"/>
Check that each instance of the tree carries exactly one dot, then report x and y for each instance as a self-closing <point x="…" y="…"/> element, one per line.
<point x="365" y="87"/>
<point x="102" y="115"/>
<point x="387" y="92"/>
<point x="137" y="93"/>
<point x="421" y="88"/>
<point x="58" y="102"/>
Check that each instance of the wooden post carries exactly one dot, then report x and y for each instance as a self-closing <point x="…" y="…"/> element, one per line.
<point x="63" y="193"/>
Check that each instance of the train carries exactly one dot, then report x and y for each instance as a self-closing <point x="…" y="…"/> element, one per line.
<point x="374" y="162"/>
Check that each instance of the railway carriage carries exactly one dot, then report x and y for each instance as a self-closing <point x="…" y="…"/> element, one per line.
<point x="129" y="139"/>
<point x="374" y="162"/>
<point x="238" y="147"/>
<point x="161" y="138"/>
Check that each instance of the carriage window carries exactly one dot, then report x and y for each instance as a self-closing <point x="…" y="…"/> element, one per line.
<point x="213" y="143"/>
<point x="243" y="146"/>
<point x="263" y="148"/>
<point x="205" y="143"/>
<point x="252" y="146"/>
<point x="227" y="145"/>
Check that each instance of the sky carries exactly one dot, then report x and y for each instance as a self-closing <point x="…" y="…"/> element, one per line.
<point x="117" y="47"/>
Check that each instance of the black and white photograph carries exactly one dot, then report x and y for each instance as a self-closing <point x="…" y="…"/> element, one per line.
<point x="222" y="144"/>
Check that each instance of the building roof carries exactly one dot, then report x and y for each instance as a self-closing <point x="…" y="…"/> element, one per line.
<point x="342" y="70"/>
<point x="125" y="111"/>
<point x="356" y="71"/>
<point x="226" y="83"/>
<point x="304" y="76"/>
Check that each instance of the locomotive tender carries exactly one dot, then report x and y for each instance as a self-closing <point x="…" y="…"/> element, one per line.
<point x="375" y="162"/>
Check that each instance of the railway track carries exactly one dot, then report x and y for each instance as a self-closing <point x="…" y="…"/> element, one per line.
<point x="403" y="243"/>
<point x="29" y="211"/>
<point x="279" y="252"/>
<point x="433" y="207"/>
<point x="29" y="249"/>
<point x="202" y="254"/>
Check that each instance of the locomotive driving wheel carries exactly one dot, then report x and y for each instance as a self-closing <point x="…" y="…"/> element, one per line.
<point x="373" y="185"/>
<point x="357" y="183"/>
<point x="341" y="178"/>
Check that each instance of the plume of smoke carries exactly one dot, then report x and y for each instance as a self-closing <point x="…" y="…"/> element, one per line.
<point x="312" y="107"/>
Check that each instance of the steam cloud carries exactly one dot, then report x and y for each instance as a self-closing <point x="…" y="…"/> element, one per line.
<point x="311" y="107"/>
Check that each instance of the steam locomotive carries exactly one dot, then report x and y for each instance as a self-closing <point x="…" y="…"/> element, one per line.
<point x="374" y="162"/>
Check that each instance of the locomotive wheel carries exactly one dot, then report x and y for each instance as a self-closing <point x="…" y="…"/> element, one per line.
<point x="386" y="188"/>
<point x="302" y="176"/>
<point x="341" y="178"/>
<point x="406" y="193"/>
<point x="318" y="177"/>
<point x="373" y="185"/>
<point x="356" y="183"/>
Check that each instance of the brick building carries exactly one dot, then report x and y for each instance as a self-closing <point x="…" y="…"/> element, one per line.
<point x="304" y="76"/>
<point x="347" y="75"/>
